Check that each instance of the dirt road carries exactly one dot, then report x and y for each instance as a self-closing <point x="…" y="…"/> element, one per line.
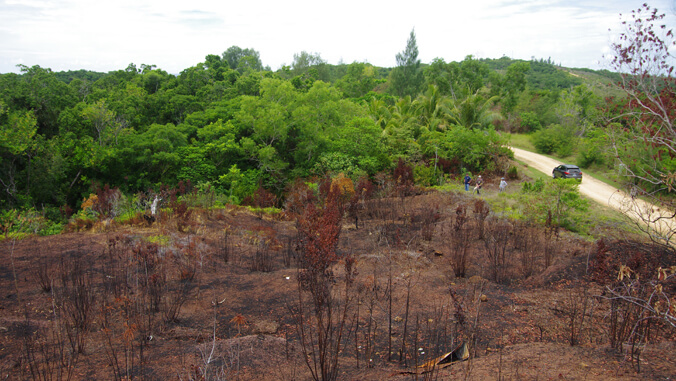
<point x="638" y="210"/>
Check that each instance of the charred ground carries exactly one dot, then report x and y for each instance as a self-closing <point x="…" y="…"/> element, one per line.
<point x="215" y="294"/>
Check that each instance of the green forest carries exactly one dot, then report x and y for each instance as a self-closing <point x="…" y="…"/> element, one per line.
<point x="233" y="128"/>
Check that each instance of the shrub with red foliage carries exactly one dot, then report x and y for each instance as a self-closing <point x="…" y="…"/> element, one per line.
<point x="297" y="197"/>
<point x="325" y="187"/>
<point x="107" y="200"/>
<point x="364" y="188"/>
<point x="362" y="192"/>
<point x="403" y="177"/>
<point x="184" y="187"/>
<point x="261" y="198"/>
<point x="600" y="265"/>
<point x="322" y="321"/>
<point x="447" y="165"/>
<point x="182" y="214"/>
<point x="318" y="232"/>
<point x="66" y="211"/>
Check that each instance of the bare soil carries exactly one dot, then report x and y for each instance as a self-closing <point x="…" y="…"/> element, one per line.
<point x="234" y="274"/>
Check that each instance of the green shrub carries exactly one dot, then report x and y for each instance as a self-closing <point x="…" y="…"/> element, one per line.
<point x="559" y="198"/>
<point x="554" y="139"/>
<point x="534" y="187"/>
<point x="589" y="155"/>
<point x="591" y="150"/>
<point x="426" y="176"/>
<point x="530" y="122"/>
<point x="565" y="148"/>
<point x="544" y="141"/>
<point x="18" y="224"/>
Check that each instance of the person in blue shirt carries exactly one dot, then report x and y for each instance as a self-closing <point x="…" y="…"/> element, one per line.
<point x="467" y="181"/>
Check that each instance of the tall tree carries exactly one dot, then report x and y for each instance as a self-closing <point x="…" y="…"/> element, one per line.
<point x="438" y="73"/>
<point x="407" y="77"/>
<point x="513" y="84"/>
<point x="472" y="74"/>
<point x="242" y="59"/>
<point x="104" y="121"/>
<point x="359" y="79"/>
<point x="307" y="68"/>
<point x="17" y="140"/>
<point x="47" y="96"/>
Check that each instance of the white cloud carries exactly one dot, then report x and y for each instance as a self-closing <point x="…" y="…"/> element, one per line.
<point x="174" y="35"/>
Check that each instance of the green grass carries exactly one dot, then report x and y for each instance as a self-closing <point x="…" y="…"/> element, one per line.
<point x="520" y="141"/>
<point x="531" y="172"/>
<point x="14" y="236"/>
<point x="454" y="187"/>
<point x="597" y="222"/>
<point x="269" y="211"/>
<point x="161" y="240"/>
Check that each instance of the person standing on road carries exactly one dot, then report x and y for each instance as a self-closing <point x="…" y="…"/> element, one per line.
<point x="467" y="181"/>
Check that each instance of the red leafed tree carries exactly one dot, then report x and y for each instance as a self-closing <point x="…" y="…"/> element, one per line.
<point x="645" y="146"/>
<point x="362" y="192"/>
<point x="319" y="231"/>
<point x="322" y="314"/>
<point x="645" y="140"/>
<point x="403" y="177"/>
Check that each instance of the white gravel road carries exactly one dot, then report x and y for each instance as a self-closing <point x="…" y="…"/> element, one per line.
<point x="607" y="195"/>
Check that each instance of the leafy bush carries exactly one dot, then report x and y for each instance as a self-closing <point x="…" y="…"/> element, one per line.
<point x="335" y="162"/>
<point x="589" y="155"/>
<point x="591" y="151"/>
<point x="554" y="139"/>
<point x="426" y="175"/>
<point x="534" y="187"/>
<point x="344" y="186"/>
<point x="18" y="224"/>
<point x="565" y="149"/>
<point x="558" y="200"/>
<point x="475" y="150"/>
<point x="51" y="229"/>
<point x="530" y="122"/>
<point x="237" y="184"/>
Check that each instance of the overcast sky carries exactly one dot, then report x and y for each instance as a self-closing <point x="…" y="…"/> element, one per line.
<point x="102" y="35"/>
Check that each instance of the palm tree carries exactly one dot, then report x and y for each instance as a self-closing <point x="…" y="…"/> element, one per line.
<point x="402" y="128"/>
<point x="475" y="111"/>
<point x="433" y="109"/>
<point x="379" y="112"/>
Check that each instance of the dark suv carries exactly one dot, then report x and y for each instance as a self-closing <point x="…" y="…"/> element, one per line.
<point x="567" y="171"/>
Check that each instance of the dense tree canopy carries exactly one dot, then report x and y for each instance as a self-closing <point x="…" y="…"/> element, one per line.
<point x="233" y="124"/>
